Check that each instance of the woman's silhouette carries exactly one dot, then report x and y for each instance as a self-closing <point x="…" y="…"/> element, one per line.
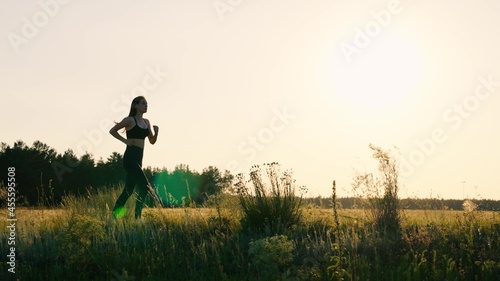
<point x="137" y="129"/>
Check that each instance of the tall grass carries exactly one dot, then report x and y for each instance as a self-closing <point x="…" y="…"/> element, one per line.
<point x="381" y="193"/>
<point x="82" y="241"/>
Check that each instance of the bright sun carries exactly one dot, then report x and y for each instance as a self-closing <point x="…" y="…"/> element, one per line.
<point x="380" y="77"/>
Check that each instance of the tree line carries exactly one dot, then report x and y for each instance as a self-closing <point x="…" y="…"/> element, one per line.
<point x="43" y="176"/>
<point x="412" y="203"/>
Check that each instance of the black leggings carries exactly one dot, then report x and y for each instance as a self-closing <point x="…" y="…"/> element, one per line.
<point x="132" y="162"/>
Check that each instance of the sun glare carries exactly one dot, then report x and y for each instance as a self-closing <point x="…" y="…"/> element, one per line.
<point x="380" y="77"/>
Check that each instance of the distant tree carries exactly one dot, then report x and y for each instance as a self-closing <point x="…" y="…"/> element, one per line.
<point x="85" y="174"/>
<point x="111" y="172"/>
<point x="213" y="182"/>
<point x="33" y="167"/>
<point x="69" y="184"/>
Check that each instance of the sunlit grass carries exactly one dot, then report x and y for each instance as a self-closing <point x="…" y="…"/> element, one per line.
<point x="31" y="218"/>
<point x="82" y="241"/>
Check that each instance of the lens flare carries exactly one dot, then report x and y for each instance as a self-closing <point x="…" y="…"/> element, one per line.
<point x="173" y="190"/>
<point x="120" y="212"/>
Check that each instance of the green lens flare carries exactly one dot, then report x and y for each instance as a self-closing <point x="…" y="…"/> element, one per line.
<point x="120" y="212"/>
<point x="173" y="189"/>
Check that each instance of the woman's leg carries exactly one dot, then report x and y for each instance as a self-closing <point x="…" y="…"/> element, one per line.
<point x="142" y="192"/>
<point x="130" y="157"/>
<point x="128" y="190"/>
<point x="132" y="161"/>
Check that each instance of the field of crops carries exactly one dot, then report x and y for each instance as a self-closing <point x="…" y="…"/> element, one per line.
<point x="82" y="241"/>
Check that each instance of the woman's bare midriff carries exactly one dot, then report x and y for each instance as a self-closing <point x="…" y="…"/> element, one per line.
<point x="136" y="142"/>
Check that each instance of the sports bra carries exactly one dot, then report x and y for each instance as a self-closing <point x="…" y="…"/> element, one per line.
<point x="137" y="132"/>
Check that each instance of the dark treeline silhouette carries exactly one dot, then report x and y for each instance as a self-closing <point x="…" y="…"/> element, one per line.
<point x="413" y="203"/>
<point x="44" y="176"/>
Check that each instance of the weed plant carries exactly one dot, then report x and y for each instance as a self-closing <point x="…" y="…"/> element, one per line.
<point x="271" y="205"/>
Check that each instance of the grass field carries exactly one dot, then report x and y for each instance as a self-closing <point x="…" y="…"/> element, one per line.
<point x="81" y="241"/>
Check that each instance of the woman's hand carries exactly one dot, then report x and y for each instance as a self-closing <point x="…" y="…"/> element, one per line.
<point x="153" y="136"/>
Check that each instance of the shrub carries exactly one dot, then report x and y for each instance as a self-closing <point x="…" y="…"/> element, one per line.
<point x="76" y="239"/>
<point x="270" y="256"/>
<point x="273" y="205"/>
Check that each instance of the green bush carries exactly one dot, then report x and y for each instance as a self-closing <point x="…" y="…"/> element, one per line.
<point x="76" y="238"/>
<point x="271" y="256"/>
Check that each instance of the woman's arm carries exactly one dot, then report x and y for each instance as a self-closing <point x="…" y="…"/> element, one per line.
<point x="152" y="137"/>
<point x="123" y="124"/>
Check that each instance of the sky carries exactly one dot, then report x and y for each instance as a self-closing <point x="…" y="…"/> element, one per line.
<point x="235" y="83"/>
